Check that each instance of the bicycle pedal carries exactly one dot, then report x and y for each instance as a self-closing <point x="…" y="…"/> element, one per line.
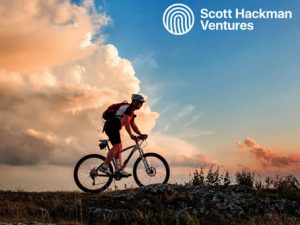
<point x="126" y="175"/>
<point x="120" y="175"/>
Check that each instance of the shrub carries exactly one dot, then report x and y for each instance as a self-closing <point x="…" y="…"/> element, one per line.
<point x="287" y="183"/>
<point x="259" y="185"/>
<point x="269" y="182"/>
<point x="226" y="180"/>
<point x="245" y="178"/>
<point x="213" y="178"/>
<point x="198" y="177"/>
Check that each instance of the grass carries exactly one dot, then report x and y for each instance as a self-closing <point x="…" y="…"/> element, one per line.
<point x="68" y="208"/>
<point x="44" y="206"/>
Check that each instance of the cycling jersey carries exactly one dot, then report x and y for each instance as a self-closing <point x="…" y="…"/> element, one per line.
<point x="112" y="127"/>
<point x="127" y="109"/>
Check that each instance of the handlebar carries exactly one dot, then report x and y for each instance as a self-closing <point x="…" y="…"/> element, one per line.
<point x="142" y="137"/>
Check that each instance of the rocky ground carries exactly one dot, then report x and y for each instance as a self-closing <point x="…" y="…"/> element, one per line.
<point x="156" y="204"/>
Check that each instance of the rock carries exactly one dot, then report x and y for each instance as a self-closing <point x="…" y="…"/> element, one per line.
<point x="26" y="223"/>
<point x="153" y="202"/>
<point x="156" y="189"/>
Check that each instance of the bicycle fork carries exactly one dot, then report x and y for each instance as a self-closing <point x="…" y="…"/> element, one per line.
<point x="148" y="169"/>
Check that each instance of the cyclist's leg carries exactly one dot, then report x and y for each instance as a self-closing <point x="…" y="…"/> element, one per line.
<point x="122" y="171"/>
<point x="119" y="155"/>
<point x="113" y="132"/>
<point x="113" y="153"/>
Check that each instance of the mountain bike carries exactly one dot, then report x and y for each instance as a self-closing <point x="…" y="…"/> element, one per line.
<point x="149" y="168"/>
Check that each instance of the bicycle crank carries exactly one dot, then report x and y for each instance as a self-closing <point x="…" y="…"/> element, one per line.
<point x="93" y="174"/>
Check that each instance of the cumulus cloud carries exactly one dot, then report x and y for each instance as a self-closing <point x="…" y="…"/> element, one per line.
<point x="267" y="156"/>
<point x="52" y="115"/>
<point x="37" y="34"/>
<point x="62" y="103"/>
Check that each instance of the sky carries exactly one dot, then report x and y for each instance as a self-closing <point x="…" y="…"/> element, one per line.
<point x="228" y="98"/>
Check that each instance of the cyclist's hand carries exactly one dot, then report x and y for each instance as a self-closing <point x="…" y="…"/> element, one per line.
<point x="133" y="137"/>
<point x="143" y="136"/>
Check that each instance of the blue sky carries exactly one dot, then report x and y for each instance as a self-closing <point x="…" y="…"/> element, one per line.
<point x="230" y="84"/>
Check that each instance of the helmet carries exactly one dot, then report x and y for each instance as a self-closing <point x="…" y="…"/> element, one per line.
<point x="138" y="97"/>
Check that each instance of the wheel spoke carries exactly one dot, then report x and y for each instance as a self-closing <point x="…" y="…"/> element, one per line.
<point x="84" y="173"/>
<point x="158" y="171"/>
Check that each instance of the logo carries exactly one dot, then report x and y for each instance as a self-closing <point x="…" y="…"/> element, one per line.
<point x="178" y="19"/>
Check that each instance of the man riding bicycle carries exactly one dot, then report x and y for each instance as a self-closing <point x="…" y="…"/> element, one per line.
<point x="124" y="116"/>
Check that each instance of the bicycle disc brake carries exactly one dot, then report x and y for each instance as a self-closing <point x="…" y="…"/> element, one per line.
<point x="151" y="171"/>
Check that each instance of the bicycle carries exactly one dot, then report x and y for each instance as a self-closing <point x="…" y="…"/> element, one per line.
<point x="149" y="168"/>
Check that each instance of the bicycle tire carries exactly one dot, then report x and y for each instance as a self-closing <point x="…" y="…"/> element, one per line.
<point x="149" y="157"/>
<point x="99" y="159"/>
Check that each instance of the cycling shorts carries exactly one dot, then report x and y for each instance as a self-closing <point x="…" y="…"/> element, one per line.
<point x="112" y="129"/>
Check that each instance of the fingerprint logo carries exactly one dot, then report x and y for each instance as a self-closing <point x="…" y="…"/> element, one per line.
<point x="178" y="19"/>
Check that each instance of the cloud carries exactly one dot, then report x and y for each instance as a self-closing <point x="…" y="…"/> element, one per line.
<point x="146" y="61"/>
<point x="194" y="119"/>
<point x="193" y="161"/>
<point x="41" y="34"/>
<point x="14" y="151"/>
<point x="66" y="101"/>
<point x="167" y="127"/>
<point x="184" y="111"/>
<point x="179" y="152"/>
<point x="268" y="157"/>
<point x="31" y="147"/>
<point x="155" y="100"/>
<point x="62" y="150"/>
<point x="52" y="115"/>
<point x="194" y="133"/>
<point x="168" y="108"/>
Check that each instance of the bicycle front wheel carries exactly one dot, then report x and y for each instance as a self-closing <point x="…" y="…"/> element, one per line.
<point x="88" y="178"/>
<point x="151" y="168"/>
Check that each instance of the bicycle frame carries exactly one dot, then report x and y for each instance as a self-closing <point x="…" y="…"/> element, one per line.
<point x="134" y="148"/>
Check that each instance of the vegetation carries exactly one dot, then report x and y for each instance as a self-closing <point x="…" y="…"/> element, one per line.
<point x="70" y="207"/>
<point x="245" y="178"/>
<point x="213" y="177"/>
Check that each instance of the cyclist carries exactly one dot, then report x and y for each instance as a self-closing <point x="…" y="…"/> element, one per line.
<point x="124" y="116"/>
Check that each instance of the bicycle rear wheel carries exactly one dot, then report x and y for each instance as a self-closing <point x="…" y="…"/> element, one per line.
<point x="158" y="170"/>
<point x="88" y="178"/>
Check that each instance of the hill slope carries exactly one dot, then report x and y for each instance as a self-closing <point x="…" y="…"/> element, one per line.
<point x="155" y="204"/>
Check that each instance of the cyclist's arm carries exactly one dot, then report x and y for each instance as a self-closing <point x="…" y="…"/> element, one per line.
<point x="126" y="121"/>
<point x="135" y="128"/>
